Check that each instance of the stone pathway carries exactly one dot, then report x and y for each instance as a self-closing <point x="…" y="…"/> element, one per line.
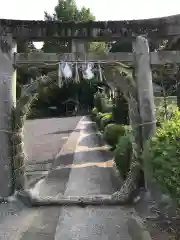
<point x="84" y="168"/>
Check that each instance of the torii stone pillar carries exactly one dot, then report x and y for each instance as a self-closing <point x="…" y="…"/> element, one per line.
<point x="79" y="47"/>
<point x="14" y="75"/>
<point x="178" y="89"/>
<point x="7" y="100"/>
<point x="178" y="94"/>
<point x="145" y="95"/>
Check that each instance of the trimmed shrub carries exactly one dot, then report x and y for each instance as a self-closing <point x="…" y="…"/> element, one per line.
<point x="98" y="101"/>
<point x="105" y="120"/>
<point x="122" y="155"/>
<point x="98" y="118"/>
<point x="164" y="156"/>
<point x="128" y="129"/>
<point x="107" y="108"/>
<point x="112" y="133"/>
<point x="94" y="113"/>
<point x="120" y="110"/>
<point x="102" y="103"/>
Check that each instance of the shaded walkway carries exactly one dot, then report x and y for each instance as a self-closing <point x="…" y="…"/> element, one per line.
<point x="92" y="173"/>
<point x="81" y="169"/>
<point x="44" y="138"/>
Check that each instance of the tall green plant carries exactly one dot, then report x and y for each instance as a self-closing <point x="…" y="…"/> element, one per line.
<point x="98" y="101"/>
<point x="163" y="114"/>
<point x="120" y="110"/>
<point x="164" y="156"/>
<point x="123" y="154"/>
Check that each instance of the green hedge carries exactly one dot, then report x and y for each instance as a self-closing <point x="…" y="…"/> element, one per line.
<point x="102" y="103"/>
<point x="112" y="132"/>
<point x="108" y="108"/>
<point x="98" y="118"/>
<point x="94" y="113"/>
<point x="120" y="111"/>
<point x="164" y="156"/>
<point x="98" y="101"/>
<point x="105" y="120"/>
<point x="122" y="155"/>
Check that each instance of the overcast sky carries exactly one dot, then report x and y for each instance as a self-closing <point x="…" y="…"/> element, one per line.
<point x="102" y="9"/>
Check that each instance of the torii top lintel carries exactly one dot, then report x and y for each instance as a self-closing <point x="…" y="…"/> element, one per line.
<point x="92" y="30"/>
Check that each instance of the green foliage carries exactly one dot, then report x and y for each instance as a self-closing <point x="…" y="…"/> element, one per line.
<point x="94" y="112"/>
<point x="122" y="154"/>
<point x="105" y="120"/>
<point x="163" y="114"/>
<point x="120" y="109"/>
<point x="122" y="46"/>
<point x="98" y="101"/>
<point x="98" y="47"/>
<point x="24" y="74"/>
<point x="171" y="100"/>
<point x="98" y="118"/>
<point x="102" y="103"/>
<point x="126" y="46"/>
<point x="107" y="106"/>
<point x="164" y="156"/>
<point x="112" y="133"/>
<point x="65" y="10"/>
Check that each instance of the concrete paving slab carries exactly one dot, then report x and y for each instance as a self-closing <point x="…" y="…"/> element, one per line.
<point x="18" y="222"/>
<point x="92" y="223"/>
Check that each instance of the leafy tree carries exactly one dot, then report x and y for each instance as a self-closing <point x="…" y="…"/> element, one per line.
<point x="24" y="74"/>
<point x="66" y="10"/>
<point x="121" y="46"/>
<point x="126" y="45"/>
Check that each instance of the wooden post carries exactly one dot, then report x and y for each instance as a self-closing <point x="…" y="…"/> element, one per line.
<point x="145" y="94"/>
<point x="7" y="100"/>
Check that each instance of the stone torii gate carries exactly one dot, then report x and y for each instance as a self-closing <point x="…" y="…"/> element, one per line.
<point x="12" y="30"/>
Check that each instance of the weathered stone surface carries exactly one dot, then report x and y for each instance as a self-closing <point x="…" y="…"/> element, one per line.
<point x="40" y="58"/>
<point x="102" y="30"/>
<point x="7" y="100"/>
<point x="145" y="97"/>
<point x="137" y="229"/>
